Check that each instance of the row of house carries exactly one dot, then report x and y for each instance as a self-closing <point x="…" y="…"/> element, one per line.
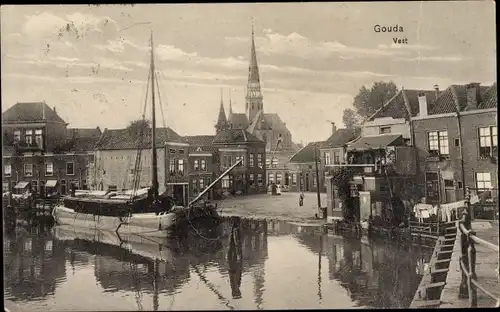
<point x="421" y="146"/>
<point x="40" y="150"/>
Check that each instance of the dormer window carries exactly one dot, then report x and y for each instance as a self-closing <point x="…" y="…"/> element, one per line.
<point x="385" y="130"/>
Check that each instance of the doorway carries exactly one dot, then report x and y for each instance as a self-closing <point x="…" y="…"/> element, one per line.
<point x="179" y="194"/>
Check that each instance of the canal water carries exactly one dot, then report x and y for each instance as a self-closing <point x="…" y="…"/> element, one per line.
<point x="238" y="265"/>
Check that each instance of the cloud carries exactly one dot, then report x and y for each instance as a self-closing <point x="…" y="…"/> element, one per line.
<point x="456" y="58"/>
<point x="231" y="39"/>
<point x="119" y="45"/>
<point x="28" y="77"/>
<point x="415" y="47"/>
<point x="171" y="53"/>
<point x="297" y="45"/>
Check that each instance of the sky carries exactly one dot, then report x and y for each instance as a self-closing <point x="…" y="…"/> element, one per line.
<point x="91" y="62"/>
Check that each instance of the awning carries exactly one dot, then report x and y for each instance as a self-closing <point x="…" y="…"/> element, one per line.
<point x="375" y="142"/>
<point x="21" y="185"/>
<point x="51" y="183"/>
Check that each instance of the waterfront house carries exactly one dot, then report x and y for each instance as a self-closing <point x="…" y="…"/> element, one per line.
<point x="456" y="139"/>
<point x="203" y="164"/>
<point x="250" y="176"/>
<point x="303" y="169"/>
<point x="333" y="152"/>
<point x="118" y="149"/>
<point x="39" y="149"/>
<point x="383" y="160"/>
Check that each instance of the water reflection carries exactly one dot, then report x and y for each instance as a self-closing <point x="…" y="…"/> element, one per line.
<point x="237" y="265"/>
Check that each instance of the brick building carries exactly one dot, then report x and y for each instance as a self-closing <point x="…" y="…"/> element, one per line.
<point x="39" y="149"/>
<point x="303" y="169"/>
<point x="117" y="151"/>
<point x="203" y="164"/>
<point x="250" y="176"/>
<point x="456" y="140"/>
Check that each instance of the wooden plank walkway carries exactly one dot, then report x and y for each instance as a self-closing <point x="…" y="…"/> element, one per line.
<point x="486" y="270"/>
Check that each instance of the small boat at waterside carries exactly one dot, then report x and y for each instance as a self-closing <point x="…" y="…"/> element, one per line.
<point x="137" y="211"/>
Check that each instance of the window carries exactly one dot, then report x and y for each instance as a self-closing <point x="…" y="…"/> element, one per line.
<point x="201" y="185"/>
<point x="251" y="178"/>
<point x="483" y="181"/>
<point x="460" y="185"/>
<point x="171" y="165"/>
<point x="270" y="177"/>
<point x="49" y="169"/>
<point x="8" y="170"/>
<point x="238" y="158"/>
<point x="39" y="138"/>
<point x="5" y="187"/>
<point x="438" y="142"/>
<point x="274" y="163"/>
<point x="34" y="186"/>
<point x="28" y="137"/>
<point x="268" y="162"/>
<point x="294" y="179"/>
<point x="70" y="168"/>
<point x="431" y="186"/>
<point x="279" y="178"/>
<point x="326" y="156"/>
<point x="336" y="158"/>
<point x="225" y="182"/>
<point x="181" y="152"/>
<point x="180" y="165"/>
<point x="228" y="161"/>
<point x="488" y="141"/>
<point x="28" y="170"/>
<point x="449" y="184"/>
<point x="196" y="165"/>
<point x="252" y="164"/>
<point x="384" y="130"/>
<point x="63" y="187"/>
<point x="171" y="151"/>
<point x="17" y="136"/>
<point x="259" y="160"/>
<point x="314" y="180"/>
<point x="194" y="187"/>
<point x="203" y="164"/>
<point x="259" y="179"/>
<point x="456" y="142"/>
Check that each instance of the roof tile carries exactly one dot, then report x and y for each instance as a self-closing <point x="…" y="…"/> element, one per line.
<point x="123" y="139"/>
<point x="30" y="112"/>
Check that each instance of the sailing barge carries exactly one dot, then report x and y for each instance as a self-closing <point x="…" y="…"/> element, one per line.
<point x="136" y="211"/>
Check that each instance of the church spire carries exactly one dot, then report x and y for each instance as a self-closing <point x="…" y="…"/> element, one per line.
<point x="230" y="105"/>
<point x="254" y="95"/>
<point x="222" y="120"/>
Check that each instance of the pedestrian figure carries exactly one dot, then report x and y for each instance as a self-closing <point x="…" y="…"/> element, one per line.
<point x="301" y="199"/>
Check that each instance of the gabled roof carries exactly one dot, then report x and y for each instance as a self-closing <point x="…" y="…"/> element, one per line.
<point x="456" y="96"/>
<point x="230" y="136"/>
<point x="84" y="132"/>
<point x="403" y="103"/>
<point x="239" y="121"/>
<point x="30" y="112"/>
<point x="84" y="144"/>
<point x="341" y="137"/>
<point x="306" y="154"/>
<point x="116" y="139"/>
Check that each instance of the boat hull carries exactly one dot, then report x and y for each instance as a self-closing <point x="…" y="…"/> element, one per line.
<point x="146" y="224"/>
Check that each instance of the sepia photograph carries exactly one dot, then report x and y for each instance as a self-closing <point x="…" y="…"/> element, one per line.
<point x="249" y="156"/>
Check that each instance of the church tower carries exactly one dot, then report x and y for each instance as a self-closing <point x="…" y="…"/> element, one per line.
<point x="254" y="96"/>
<point x="222" y="122"/>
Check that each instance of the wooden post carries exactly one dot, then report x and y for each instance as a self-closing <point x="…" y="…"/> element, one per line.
<point x="463" y="289"/>
<point x="471" y="255"/>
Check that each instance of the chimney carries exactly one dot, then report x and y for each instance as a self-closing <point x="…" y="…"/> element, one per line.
<point x="55" y="110"/>
<point x="334" y="128"/>
<point x="473" y="96"/>
<point x="422" y="104"/>
<point x="436" y="89"/>
<point x="43" y="111"/>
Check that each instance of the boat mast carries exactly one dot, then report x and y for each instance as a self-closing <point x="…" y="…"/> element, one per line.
<point x="153" y="124"/>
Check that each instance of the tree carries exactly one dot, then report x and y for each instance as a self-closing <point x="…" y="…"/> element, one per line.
<point x="340" y="179"/>
<point x="351" y="119"/>
<point x="138" y="127"/>
<point x="368" y="101"/>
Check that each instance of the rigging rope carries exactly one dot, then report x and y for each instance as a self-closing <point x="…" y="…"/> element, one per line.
<point x="159" y="99"/>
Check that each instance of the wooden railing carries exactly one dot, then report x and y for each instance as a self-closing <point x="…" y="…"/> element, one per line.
<point x="468" y="241"/>
<point x="429" y="230"/>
